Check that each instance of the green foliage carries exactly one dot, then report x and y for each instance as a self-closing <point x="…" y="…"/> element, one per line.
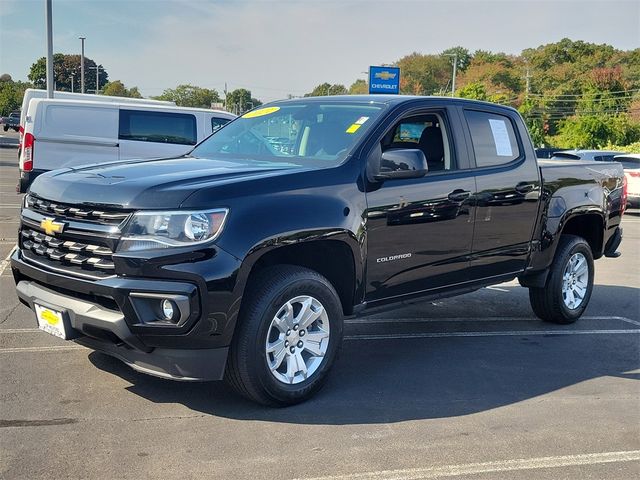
<point x="11" y="94"/>
<point x="596" y="131"/>
<point x="240" y="100"/>
<point x="631" y="148"/>
<point x="117" y="89"/>
<point x="464" y="57"/>
<point x="190" y="96"/>
<point x="325" y="89"/>
<point x="475" y="91"/>
<point x="64" y="67"/>
<point x="359" y="87"/>
<point x="424" y="74"/>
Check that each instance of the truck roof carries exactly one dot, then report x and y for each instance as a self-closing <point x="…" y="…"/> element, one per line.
<point x="395" y="99"/>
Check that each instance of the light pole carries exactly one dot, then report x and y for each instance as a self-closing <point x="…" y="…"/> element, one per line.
<point x="97" y="68"/>
<point x="72" y="76"/>
<point x="455" y="69"/>
<point x="82" y="39"/>
<point x="49" y="23"/>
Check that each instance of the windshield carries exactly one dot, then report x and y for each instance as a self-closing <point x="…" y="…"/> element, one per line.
<point x="306" y="134"/>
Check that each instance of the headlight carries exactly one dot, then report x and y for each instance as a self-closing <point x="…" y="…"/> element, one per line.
<point x="155" y="230"/>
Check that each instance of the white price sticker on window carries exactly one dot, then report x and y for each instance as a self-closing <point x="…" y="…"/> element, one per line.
<point x="501" y="138"/>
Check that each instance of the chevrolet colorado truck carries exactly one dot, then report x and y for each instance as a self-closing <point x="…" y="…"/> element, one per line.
<point x="240" y="259"/>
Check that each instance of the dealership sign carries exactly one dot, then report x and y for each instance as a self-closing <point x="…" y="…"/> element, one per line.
<point x="384" y="80"/>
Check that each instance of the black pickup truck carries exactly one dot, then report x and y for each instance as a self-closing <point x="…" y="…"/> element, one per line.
<point x="240" y="259"/>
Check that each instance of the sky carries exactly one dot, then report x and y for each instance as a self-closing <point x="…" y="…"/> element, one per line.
<point x="280" y="47"/>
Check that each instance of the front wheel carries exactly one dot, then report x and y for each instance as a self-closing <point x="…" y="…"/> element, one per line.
<point x="569" y="284"/>
<point x="287" y="337"/>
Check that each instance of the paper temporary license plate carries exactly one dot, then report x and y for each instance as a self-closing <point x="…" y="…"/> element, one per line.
<point x="50" y="321"/>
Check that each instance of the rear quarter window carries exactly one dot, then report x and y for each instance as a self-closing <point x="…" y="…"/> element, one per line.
<point x="218" y="122"/>
<point x="493" y="138"/>
<point x="158" y="127"/>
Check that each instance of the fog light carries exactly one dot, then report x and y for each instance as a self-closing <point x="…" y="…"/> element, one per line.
<point x="168" y="309"/>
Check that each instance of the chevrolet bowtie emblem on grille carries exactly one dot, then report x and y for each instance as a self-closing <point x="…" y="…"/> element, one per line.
<point x="50" y="226"/>
<point x="385" y="75"/>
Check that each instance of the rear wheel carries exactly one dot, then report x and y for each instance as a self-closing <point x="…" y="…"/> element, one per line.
<point x="287" y="337"/>
<point x="569" y="284"/>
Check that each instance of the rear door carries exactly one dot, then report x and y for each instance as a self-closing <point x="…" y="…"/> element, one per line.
<point x="155" y="133"/>
<point x="72" y="133"/>
<point x="419" y="231"/>
<point x="508" y="191"/>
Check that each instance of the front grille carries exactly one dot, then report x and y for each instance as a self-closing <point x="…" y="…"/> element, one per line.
<point x="78" y="257"/>
<point x="98" y="215"/>
<point x="85" y="241"/>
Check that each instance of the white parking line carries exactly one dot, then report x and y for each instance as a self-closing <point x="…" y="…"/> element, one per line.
<point x="19" y="330"/>
<point x="466" y="469"/>
<point x="355" y="321"/>
<point x="5" y="263"/>
<point x="57" y="348"/>
<point x="511" y="333"/>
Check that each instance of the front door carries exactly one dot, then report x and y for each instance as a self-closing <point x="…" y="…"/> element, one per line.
<point x="419" y="231"/>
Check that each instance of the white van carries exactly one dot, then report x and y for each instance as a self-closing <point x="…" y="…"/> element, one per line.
<point x="31" y="93"/>
<point x="64" y="133"/>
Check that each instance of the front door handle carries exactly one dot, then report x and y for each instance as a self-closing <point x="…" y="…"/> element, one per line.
<point x="524" y="187"/>
<point x="459" y="195"/>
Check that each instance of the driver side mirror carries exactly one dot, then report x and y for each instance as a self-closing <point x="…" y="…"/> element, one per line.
<point x="402" y="163"/>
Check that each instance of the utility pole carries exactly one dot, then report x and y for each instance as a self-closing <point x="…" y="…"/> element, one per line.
<point x="454" y="72"/>
<point x="528" y="77"/>
<point x="82" y="39"/>
<point x="72" y="75"/>
<point x="49" y="21"/>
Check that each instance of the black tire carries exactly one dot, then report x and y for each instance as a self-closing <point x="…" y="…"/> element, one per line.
<point x="247" y="369"/>
<point x="5" y="128"/>
<point x="548" y="303"/>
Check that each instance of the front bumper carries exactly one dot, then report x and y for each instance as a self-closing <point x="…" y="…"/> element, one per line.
<point x="104" y="317"/>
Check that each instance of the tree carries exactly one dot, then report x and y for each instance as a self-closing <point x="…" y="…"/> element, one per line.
<point x="11" y="94"/>
<point x="190" y="96"/>
<point x="117" y="89"/>
<point x="596" y="131"/>
<point x="240" y="100"/>
<point x="326" y="88"/>
<point x="5" y="77"/>
<point x="464" y="57"/>
<point x="424" y="74"/>
<point x="475" y="91"/>
<point x="64" y="67"/>
<point x="359" y="87"/>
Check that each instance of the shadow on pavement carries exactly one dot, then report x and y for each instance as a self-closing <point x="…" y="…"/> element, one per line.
<point x="384" y="381"/>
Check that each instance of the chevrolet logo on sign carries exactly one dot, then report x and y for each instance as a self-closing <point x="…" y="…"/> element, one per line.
<point x="385" y="75"/>
<point x="50" y="226"/>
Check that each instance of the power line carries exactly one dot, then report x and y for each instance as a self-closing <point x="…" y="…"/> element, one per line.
<point x="581" y="94"/>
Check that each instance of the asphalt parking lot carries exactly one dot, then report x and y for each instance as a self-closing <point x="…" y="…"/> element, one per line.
<point x="468" y="387"/>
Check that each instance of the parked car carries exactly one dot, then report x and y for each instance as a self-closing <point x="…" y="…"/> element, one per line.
<point x="546" y="152"/>
<point x="595" y="155"/>
<point x="631" y="164"/>
<point x="69" y="133"/>
<point x="240" y="261"/>
<point x="12" y="121"/>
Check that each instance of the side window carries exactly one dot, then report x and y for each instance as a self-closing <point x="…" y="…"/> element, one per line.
<point x="427" y="133"/>
<point x="160" y="127"/>
<point x="494" y="140"/>
<point x="216" y="123"/>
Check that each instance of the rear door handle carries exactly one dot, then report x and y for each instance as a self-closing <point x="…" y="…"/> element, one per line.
<point x="459" y="195"/>
<point x="524" y="187"/>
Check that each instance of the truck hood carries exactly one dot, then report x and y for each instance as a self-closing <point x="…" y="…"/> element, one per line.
<point x="148" y="184"/>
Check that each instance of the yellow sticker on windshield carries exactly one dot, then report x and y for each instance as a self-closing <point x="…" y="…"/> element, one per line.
<point x="260" y="112"/>
<point x="357" y="124"/>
